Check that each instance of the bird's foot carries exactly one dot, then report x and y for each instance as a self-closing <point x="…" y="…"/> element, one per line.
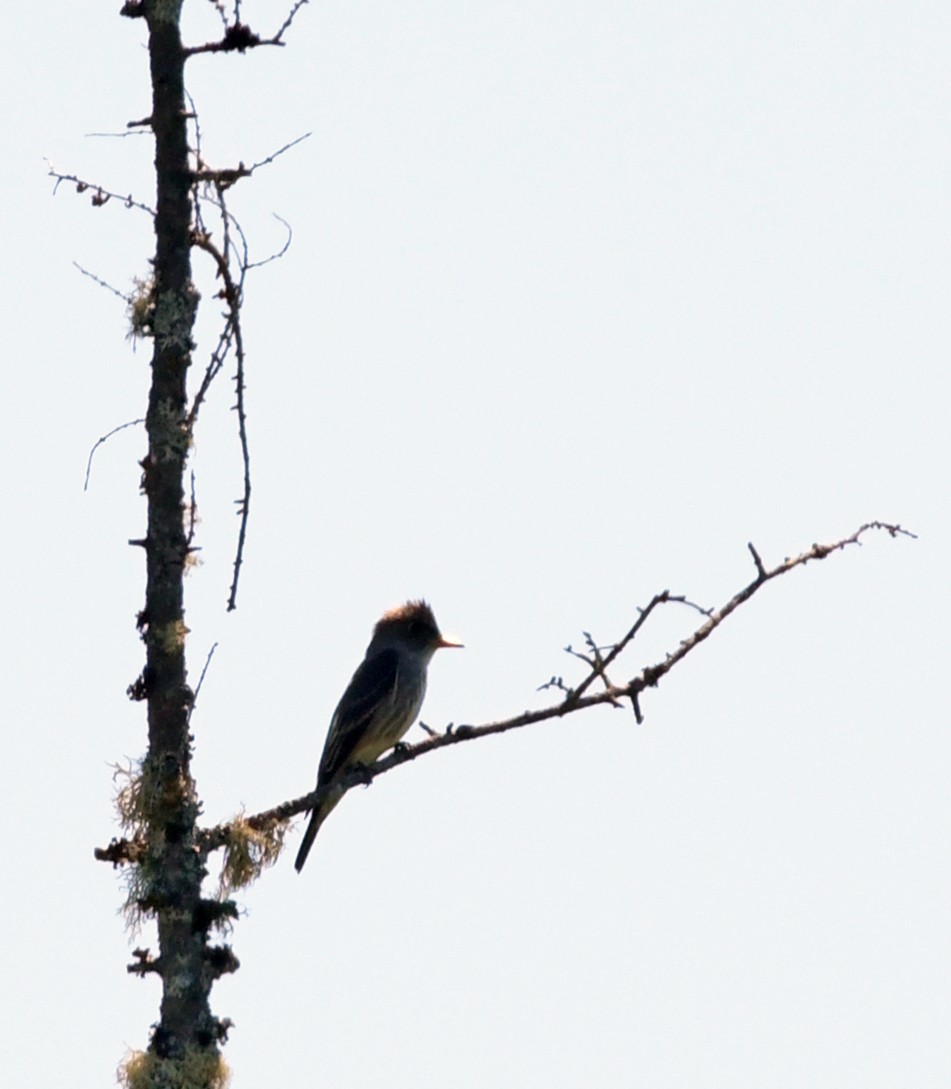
<point x="363" y="772"/>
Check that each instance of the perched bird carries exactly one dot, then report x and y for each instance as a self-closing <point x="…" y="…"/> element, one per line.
<point x="380" y="703"/>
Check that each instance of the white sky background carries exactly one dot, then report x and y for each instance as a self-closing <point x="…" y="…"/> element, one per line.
<point x="581" y="298"/>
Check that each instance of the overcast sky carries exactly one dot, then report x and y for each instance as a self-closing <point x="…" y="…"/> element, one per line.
<point x="581" y="298"/>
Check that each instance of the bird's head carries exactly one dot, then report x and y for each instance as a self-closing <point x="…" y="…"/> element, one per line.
<point x="412" y="627"/>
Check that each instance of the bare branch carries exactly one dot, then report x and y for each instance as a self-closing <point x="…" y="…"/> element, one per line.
<point x="220" y="8"/>
<point x="574" y="700"/>
<point x="192" y="520"/>
<point x="225" y="177"/>
<point x="277" y="254"/>
<point x="231" y="255"/>
<point x="277" y="154"/>
<point x="244" y="503"/>
<point x="121" y="851"/>
<point x="201" y="679"/>
<point x="231" y="293"/>
<point x="649" y="677"/>
<point x="99" y="196"/>
<point x="238" y="37"/>
<point x="127" y="299"/>
<point x="108" y="435"/>
<point x="131" y="127"/>
<point x="143" y="964"/>
<point x="760" y="569"/>
<point x="663" y="598"/>
<point x="286" y="25"/>
<point x="215" y="363"/>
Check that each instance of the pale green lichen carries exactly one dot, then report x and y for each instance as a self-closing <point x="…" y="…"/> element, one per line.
<point x="169" y="429"/>
<point x="136" y="888"/>
<point x="135" y="796"/>
<point x="166" y="11"/>
<point x="170" y="637"/>
<point x="249" y="851"/>
<point x="197" y="1069"/>
<point x="141" y="308"/>
<point x="139" y="799"/>
<point x="174" y="317"/>
<point x="180" y="981"/>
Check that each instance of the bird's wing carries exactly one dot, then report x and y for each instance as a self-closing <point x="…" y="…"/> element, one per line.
<point x="371" y="688"/>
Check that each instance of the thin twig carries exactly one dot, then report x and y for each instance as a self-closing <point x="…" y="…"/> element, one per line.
<point x="277" y="154"/>
<point x="277" y="254"/>
<point x="598" y="667"/>
<point x="101" y="440"/>
<point x="232" y="296"/>
<point x="220" y="8"/>
<point x="760" y="569"/>
<point x="192" y="514"/>
<point x="225" y="177"/>
<point x="238" y="37"/>
<point x="201" y="679"/>
<point x="99" y="196"/>
<point x="127" y="299"/>
<point x="286" y="25"/>
<point x="232" y="253"/>
<point x="658" y="599"/>
<point x="130" y="131"/>
<point x="244" y="503"/>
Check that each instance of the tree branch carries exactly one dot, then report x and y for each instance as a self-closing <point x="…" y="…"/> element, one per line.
<point x="99" y="196"/>
<point x="238" y="37"/>
<point x="231" y="293"/>
<point x="105" y="438"/>
<point x="225" y="177"/>
<point x="575" y="699"/>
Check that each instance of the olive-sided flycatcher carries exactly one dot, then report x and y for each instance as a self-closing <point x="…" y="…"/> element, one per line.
<point x="380" y="703"/>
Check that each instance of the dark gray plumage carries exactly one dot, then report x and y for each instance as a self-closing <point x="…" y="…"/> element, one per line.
<point x="380" y="703"/>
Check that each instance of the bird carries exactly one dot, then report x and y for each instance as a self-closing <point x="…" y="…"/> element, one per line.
<point x="380" y="703"/>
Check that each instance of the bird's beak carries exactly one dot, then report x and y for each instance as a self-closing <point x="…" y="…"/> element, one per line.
<point x="444" y="642"/>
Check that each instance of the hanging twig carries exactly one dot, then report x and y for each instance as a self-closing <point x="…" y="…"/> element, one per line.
<point x="101" y="440"/>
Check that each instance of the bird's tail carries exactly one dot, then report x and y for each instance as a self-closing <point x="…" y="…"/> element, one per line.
<point x="317" y="818"/>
